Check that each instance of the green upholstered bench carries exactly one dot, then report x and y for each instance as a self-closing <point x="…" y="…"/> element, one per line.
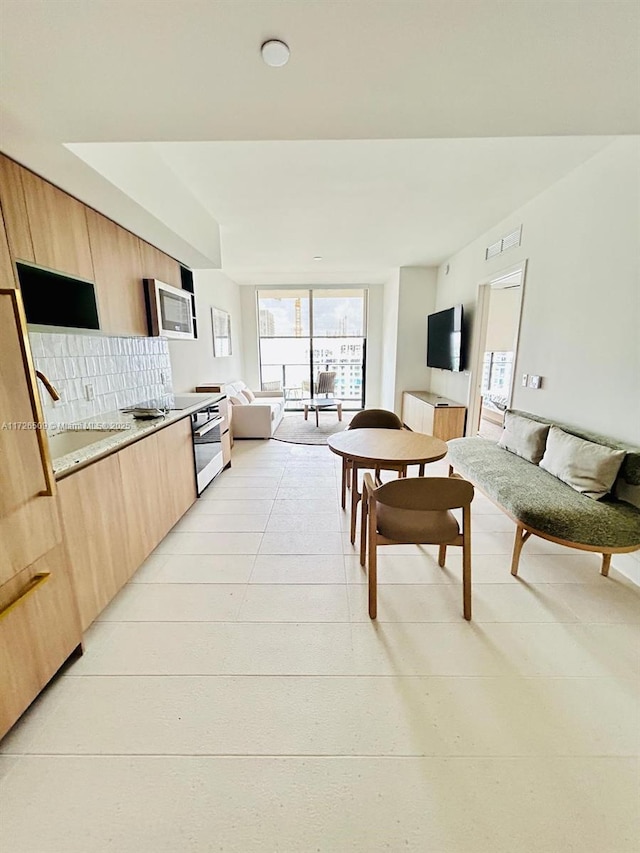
<point x="542" y="505"/>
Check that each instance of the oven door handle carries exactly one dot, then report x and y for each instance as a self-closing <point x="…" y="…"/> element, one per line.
<point x="208" y="426"/>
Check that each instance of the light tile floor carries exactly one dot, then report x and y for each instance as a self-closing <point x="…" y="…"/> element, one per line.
<point x="236" y="697"/>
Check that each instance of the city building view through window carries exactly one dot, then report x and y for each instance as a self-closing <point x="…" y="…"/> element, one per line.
<point x="304" y="333"/>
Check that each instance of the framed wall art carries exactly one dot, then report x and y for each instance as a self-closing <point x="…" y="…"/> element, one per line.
<point x="221" y="323"/>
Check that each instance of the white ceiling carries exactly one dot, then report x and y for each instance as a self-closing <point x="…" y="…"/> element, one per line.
<point x="415" y="119"/>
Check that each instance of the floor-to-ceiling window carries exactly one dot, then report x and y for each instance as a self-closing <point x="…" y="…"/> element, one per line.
<point x="306" y="332"/>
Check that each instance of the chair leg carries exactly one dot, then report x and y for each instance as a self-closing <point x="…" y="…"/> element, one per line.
<point x="521" y="537"/>
<point x="466" y="580"/>
<point x="355" y="497"/>
<point x="363" y="529"/>
<point x="442" y="555"/>
<point x="421" y="471"/>
<point x="372" y="572"/>
<point x="606" y="563"/>
<point x="344" y="481"/>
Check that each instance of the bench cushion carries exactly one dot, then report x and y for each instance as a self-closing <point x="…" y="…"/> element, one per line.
<point x="540" y="501"/>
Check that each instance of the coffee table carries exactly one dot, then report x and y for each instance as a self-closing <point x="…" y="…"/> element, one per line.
<point x="369" y="448"/>
<point x="318" y="403"/>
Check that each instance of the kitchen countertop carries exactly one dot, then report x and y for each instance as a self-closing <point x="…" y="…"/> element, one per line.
<point x="130" y="429"/>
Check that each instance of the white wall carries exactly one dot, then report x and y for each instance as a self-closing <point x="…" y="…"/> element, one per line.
<point x="192" y="362"/>
<point x="409" y="295"/>
<point x="581" y="309"/>
<point x="417" y="298"/>
<point x="374" y="336"/>
<point x="389" y="342"/>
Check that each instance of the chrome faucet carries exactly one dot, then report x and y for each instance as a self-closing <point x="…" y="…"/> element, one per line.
<point x="47" y="384"/>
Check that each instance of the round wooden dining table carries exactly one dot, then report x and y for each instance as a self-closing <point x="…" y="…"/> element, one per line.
<point x="375" y="448"/>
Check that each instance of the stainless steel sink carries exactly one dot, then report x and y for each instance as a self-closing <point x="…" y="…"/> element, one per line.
<point x="75" y="439"/>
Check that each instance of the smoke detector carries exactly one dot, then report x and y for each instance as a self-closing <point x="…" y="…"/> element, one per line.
<point x="275" y="53"/>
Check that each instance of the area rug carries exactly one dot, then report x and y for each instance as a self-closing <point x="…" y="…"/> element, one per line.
<point x="295" y="430"/>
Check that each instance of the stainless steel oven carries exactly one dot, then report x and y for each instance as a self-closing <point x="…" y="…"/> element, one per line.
<point x="207" y="444"/>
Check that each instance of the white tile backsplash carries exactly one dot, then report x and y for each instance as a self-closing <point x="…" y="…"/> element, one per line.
<point x="123" y="372"/>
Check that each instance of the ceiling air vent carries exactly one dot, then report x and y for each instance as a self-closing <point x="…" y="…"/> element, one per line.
<point x="507" y="242"/>
<point x="512" y="239"/>
<point x="493" y="250"/>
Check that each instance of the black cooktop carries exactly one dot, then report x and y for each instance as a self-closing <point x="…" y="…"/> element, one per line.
<point x="171" y="402"/>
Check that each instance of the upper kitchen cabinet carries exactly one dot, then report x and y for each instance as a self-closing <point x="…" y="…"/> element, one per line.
<point x="7" y="273"/>
<point x="14" y="210"/>
<point x="29" y="523"/>
<point x="155" y="264"/>
<point x="58" y="225"/>
<point x="117" y="265"/>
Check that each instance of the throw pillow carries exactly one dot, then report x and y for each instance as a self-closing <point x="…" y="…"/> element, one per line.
<point x="524" y="437"/>
<point x="587" y="467"/>
<point x="249" y="394"/>
<point x="240" y="400"/>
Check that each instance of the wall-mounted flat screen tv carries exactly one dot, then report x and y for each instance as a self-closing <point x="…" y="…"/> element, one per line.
<point x="54" y="299"/>
<point x="445" y="339"/>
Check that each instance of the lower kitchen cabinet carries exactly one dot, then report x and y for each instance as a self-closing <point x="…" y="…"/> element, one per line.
<point x="177" y="477"/>
<point x="39" y="629"/>
<point x="94" y="520"/>
<point x="116" y="510"/>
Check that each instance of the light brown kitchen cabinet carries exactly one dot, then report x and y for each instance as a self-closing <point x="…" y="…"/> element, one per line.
<point x="58" y="226"/>
<point x="39" y="623"/>
<point x="115" y="511"/>
<point x="39" y="629"/>
<point x="94" y="521"/>
<point x="142" y="497"/>
<point x="29" y="524"/>
<point x="14" y="210"/>
<point x="117" y="267"/>
<point x="7" y="272"/>
<point x="177" y="471"/>
<point x="155" y="264"/>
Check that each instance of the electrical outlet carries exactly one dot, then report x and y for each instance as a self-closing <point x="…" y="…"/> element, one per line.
<point x="89" y="392"/>
<point x="535" y="382"/>
<point x="525" y="379"/>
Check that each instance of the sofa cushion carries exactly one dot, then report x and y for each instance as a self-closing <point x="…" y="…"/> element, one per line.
<point x="239" y="400"/>
<point x="587" y="467"/>
<point x="539" y="500"/>
<point x="524" y="437"/>
<point x="248" y="393"/>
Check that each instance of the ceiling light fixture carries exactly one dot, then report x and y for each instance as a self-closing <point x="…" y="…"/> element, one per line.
<point x="275" y="53"/>
<point x="317" y="257"/>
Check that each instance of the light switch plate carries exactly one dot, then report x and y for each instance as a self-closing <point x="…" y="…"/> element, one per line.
<point x="535" y="382"/>
<point x="525" y="379"/>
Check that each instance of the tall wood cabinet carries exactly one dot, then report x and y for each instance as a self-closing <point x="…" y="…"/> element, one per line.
<point x="433" y="415"/>
<point x="39" y="622"/>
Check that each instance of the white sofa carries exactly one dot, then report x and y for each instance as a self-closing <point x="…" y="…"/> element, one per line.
<point x="259" y="418"/>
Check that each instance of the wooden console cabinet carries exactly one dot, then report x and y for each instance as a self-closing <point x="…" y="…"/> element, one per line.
<point x="433" y="415"/>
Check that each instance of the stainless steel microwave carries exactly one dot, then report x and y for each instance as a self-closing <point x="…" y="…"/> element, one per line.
<point x="169" y="309"/>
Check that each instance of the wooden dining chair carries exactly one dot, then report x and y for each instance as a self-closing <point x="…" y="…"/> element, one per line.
<point x="417" y="511"/>
<point x="367" y="419"/>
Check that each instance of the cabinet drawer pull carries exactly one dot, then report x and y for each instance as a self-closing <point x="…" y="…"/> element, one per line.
<point x="35" y="582"/>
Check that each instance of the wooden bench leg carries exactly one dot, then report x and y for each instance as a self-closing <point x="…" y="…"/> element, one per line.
<point x="606" y="563"/>
<point x="442" y="555"/>
<point x="521" y="537"/>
